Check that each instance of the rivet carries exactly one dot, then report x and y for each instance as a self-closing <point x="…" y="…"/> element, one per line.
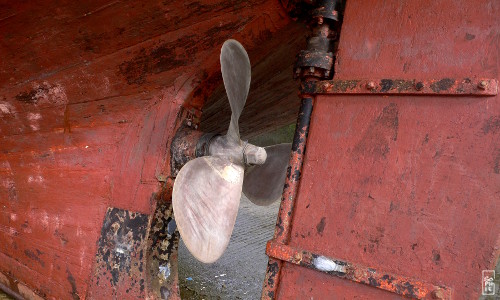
<point x="419" y="86"/>
<point x="483" y="84"/>
<point x="370" y="85"/>
<point x="437" y="294"/>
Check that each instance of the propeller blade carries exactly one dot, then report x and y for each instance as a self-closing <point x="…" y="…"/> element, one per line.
<point x="263" y="184"/>
<point x="236" y="74"/>
<point x="205" y="198"/>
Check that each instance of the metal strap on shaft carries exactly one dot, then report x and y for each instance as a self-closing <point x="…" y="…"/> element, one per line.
<point x="245" y="145"/>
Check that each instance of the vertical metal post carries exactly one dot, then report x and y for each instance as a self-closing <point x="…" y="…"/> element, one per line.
<point x="313" y="64"/>
<point x="282" y="231"/>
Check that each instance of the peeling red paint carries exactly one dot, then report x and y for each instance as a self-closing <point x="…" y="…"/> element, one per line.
<point x="92" y="95"/>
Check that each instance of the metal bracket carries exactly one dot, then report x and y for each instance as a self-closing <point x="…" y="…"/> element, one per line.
<point x="318" y="59"/>
<point x="441" y="87"/>
<point x="401" y="285"/>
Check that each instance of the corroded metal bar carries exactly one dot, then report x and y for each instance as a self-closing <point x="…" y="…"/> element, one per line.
<point x="282" y="231"/>
<point x="401" y="285"/>
<point x="443" y="86"/>
<point x="313" y="64"/>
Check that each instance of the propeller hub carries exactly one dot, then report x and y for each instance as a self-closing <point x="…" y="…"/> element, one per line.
<point x="241" y="153"/>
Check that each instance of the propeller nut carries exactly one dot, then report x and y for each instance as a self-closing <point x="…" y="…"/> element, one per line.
<point x="254" y="155"/>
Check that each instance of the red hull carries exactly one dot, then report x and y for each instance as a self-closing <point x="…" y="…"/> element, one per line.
<point x="91" y="93"/>
<point x="400" y="182"/>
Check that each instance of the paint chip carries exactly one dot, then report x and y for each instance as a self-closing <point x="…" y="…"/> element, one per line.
<point x="327" y="265"/>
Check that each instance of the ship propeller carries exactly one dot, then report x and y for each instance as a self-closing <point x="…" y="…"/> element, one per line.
<point x="207" y="189"/>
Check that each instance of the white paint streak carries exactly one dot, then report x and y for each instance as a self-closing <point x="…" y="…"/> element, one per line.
<point x="35" y="127"/>
<point x="57" y="222"/>
<point x="165" y="271"/>
<point x="34" y="119"/>
<point x="36" y="179"/>
<point x="49" y="93"/>
<point x="34" y="116"/>
<point x="79" y="231"/>
<point x="106" y="84"/>
<point x="8" y="183"/>
<point x="45" y="219"/>
<point x="327" y="265"/>
<point x="7" y="108"/>
<point x="82" y="258"/>
<point x="4" y="109"/>
<point x="5" y="165"/>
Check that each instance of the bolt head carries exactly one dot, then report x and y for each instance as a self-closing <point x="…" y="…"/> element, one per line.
<point x="419" y="86"/>
<point x="483" y="84"/>
<point x="370" y="85"/>
<point x="297" y="257"/>
<point x="437" y="294"/>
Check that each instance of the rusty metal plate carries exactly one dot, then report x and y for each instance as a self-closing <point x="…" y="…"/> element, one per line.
<point x="404" y="184"/>
<point x="120" y="258"/>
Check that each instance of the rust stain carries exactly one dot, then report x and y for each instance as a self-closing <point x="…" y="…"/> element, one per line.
<point x="33" y="95"/>
<point x="376" y="141"/>
<point x="321" y="226"/>
<point x="72" y="282"/>
<point x="166" y="57"/>
<point x="442" y="85"/>
<point x="491" y="125"/>
<point x="35" y="256"/>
